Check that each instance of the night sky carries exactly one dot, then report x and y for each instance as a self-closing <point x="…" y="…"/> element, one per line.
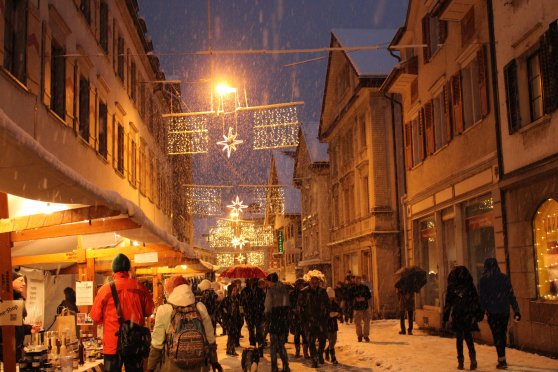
<point x="178" y="27"/>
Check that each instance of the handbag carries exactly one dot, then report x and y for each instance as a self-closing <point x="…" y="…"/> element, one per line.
<point x="133" y="339"/>
<point x="66" y="324"/>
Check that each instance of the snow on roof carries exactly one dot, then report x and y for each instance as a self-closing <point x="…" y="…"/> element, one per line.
<point x="373" y="62"/>
<point x="316" y="149"/>
<point x="284" y="165"/>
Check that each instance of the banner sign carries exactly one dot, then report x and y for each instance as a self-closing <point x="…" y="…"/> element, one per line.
<point x="11" y="313"/>
<point x="84" y="293"/>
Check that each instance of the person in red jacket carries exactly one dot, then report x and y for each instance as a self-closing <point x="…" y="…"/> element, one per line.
<point x="136" y="304"/>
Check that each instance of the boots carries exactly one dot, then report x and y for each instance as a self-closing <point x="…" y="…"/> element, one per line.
<point x="473" y="358"/>
<point x="305" y="352"/>
<point x="297" y="348"/>
<point x="502" y="364"/>
<point x="333" y="358"/>
<point x="326" y="354"/>
<point x="460" y="363"/>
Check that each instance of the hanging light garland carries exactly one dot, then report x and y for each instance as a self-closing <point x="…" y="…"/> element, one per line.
<point x="188" y="133"/>
<point x="203" y="200"/>
<point x="270" y="197"/>
<point x="227" y="233"/>
<point x="256" y="258"/>
<point x="225" y="259"/>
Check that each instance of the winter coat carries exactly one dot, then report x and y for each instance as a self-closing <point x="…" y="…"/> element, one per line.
<point x="135" y="301"/>
<point x="496" y="292"/>
<point x="406" y="301"/>
<point x="209" y="299"/>
<point x="277" y="308"/>
<point x="252" y="300"/>
<point x="332" y="320"/>
<point x="313" y="306"/>
<point x="295" y="324"/>
<point x="462" y="301"/>
<point x="230" y="313"/>
<point x="360" y="291"/>
<point x="180" y="296"/>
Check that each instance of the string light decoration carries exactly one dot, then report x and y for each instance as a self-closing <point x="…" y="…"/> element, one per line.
<point x="188" y="133"/>
<point x="225" y="259"/>
<point x="230" y="142"/>
<point x="270" y="197"/>
<point x="255" y="258"/>
<point x="203" y="200"/>
<point x="239" y="241"/>
<point x="222" y="235"/>
<point x="274" y="126"/>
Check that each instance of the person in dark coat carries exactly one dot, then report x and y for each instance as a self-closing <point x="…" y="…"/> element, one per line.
<point x="252" y="299"/>
<point x="406" y="307"/>
<point x="277" y="310"/>
<point x="69" y="302"/>
<point x="332" y="327"/>
<point x="230" y="314"/>
<point x="361" y="295"/>
<point x="496" y="297"/>
<point x="348" y="310"/>
<point x="209" y="298"/>
<point x="463" y="306"/>
<point x="313" y="307"/>
<point x="295" y="321"/>
<point x="340" y="297"/>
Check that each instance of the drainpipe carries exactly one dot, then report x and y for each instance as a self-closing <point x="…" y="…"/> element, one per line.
<point x="497" y="118"/>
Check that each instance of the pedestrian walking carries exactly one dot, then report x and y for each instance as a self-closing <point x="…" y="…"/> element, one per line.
<point x="340" y="298"/>
<point x="210" y="299"/>
<point x="313" y="306"/>
<point x="136" y="304"/>
<point x="277" y="311"/>
<point x="230" y="314"/>
<point x="252" y="299"/>
<point x="295" y="320"/>
<point x="462" y="308"/>
<point x="496" y="297"/>
<point x="348" y="311"/>
<point x="360" y="295"/>
<point x="406" y="308"/>
<point x="332" y="327"/>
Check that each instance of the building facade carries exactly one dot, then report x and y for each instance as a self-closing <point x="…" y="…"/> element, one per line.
<point x="527" y="62"/>
<point x="311" y="177"/>
<point x="357" y="124"/>
<point x="452" y="202"/>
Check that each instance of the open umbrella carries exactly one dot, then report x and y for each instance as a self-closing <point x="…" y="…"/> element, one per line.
<point x="410" y="279"/>
<point x="243" y="272"/>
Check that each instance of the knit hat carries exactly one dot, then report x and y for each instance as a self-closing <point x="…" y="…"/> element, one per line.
<point x="204" y="285"/>
<point x="330" y="292"/>
<point x="121" y="263"/>
<point x="173" y="282"/>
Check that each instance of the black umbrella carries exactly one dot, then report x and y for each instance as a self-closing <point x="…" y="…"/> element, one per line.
<point x="410" y="279"/>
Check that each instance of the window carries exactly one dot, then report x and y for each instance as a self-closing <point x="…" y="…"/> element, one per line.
<point x="535" y="86"/>
<point x="362" y="132"/>
<point x="434" y="33"/>
<point x="133" y="81"/>
<point x="479" y="217"/>
<point x="85" y="8"/>
<point x="441" y="135"/>
<point x="103" y="26"/>
<point x="468" y="27"/>
<point x="120" y="58"/>
<point x="133" y="162"/>
<point x="120" y="149"/>
<point x="474" y="85"/>
<point x="103" y="132"/>
<point x="545" y="233"/>
<point x="58" y="80"/>
<point x="417" y="140"/>
<point x="342" y="81"/>
<point x="336" y="211"/>
<point x="429" y="261"/>
<point x="84" y="108"/>
<point x="15" y="38"/>
<point x="365" y="197"/>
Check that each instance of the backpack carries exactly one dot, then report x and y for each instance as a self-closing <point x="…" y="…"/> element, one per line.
<point x="186" y="343"/>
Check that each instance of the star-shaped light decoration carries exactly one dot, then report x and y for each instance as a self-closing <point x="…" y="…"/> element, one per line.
<point x="237" y="205"/>
<point x="240" y="258"/>
<point x="229" y="142"/>
<point x="239" y="241"/>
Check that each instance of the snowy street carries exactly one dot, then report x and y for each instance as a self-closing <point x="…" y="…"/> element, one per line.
<point x="389" y="351"/>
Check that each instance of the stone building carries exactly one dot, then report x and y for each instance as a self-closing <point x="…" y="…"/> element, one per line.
<point x="357" y="122"/>
<point x="527" y="64"/>
<point x="452" y="201"/>
<point x="311" y="177"/>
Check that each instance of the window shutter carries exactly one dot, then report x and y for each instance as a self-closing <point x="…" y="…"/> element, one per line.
<point x="429" y="128"/>
<point x="512" y="96"/>
<point x="47" y="45"/>
<point x="70" y="91"/>
<point x="457" y="103"/>
<point x="442" y="31"/>
<point x="549" y="68"/>
<point x="483" y="81"/>
<point x="408" y="146"/>
<point x="33" y="49"/>
<point x="447" y="111"/>
<point x="422" y="148"/>
<point x="426" y="38"/>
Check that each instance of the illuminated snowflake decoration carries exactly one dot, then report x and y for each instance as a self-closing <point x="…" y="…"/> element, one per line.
<point x="237" y="205"/>
<point x="256" y="258"/>
<point x="230" y="142"/>
<point x="240" y="258"/>
<point x="239" y="241"/>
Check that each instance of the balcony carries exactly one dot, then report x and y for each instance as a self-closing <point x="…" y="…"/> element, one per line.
<point x="452" y="10"/>
<point x="405" y="74"/>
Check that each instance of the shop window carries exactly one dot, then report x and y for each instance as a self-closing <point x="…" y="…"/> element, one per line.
<point x="545" y="232"/>
<point x="15" y="38"/>
<point x="103" y="26"/>
<point x="103" y="132"/>
<point x="479" y="215"/>
<point x="58" y="80"/>
<point x="429" y="262"/>
<point x="84" y="108"/>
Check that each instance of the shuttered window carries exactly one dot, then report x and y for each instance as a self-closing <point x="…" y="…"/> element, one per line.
<point x="15" y="38"/>
<point x="549" y="68"/>
<point x="534" y="82"/>
<point x="120" y="58"/>
<point x="434" y="34"/>
<point x="120" y="149"/>
<point x="103" y="129"/>
<point x="429" y="128"/>
<point x="417" y="140"/>
<point x="457" y="103"/>
<point x="408" y="146"/>
<point x="84" y="108"/>
<point x="512" y="96"/>
<point x="58" y="80"/>
<point x="103" y="25"/>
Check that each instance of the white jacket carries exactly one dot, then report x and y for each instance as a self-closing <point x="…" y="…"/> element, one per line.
<point x="180" y="296"/>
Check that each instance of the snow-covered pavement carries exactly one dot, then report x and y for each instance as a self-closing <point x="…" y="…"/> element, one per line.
<point x="389" y="351"/>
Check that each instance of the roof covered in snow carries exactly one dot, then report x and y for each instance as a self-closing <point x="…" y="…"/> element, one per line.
<point x="372" y="62"/>
<point x="316" y="149"/>
<point x="284" y="165"/>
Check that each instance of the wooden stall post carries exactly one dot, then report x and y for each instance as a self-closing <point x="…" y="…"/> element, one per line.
<point x="86" y="272"/>
<point x="6" y="289"/>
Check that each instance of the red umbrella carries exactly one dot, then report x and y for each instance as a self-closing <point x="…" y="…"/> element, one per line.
<point x="244" y="272"/>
